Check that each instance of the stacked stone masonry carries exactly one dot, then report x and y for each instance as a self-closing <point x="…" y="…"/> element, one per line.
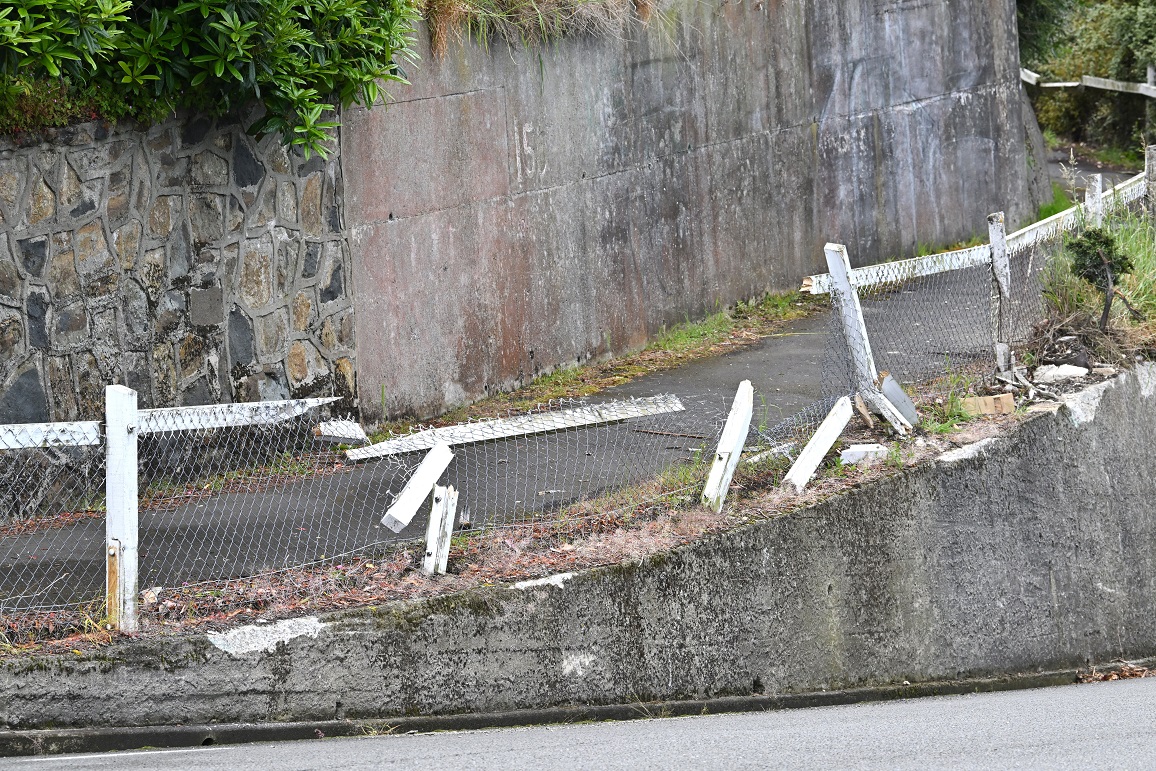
<point x="189" y="261"/>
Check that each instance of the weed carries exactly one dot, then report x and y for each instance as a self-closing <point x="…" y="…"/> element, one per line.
<point x="1061" y="201"/>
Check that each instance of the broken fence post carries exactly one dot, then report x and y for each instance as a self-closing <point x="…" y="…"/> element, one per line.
<point x="1000" y="292"/>
<point x="410" y="498"/>
<point x="812" y="455"/>
<point x="121" y="424"/>
<point x="845" y="301"/>
<point x="1094" y="200"/>
<point x="440" y="530"/>
<point x="730" y="447"/>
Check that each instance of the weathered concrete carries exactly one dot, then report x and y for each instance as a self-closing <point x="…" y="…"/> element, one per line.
<point x="514" y="211"/>
<point x="1027" y="553"/>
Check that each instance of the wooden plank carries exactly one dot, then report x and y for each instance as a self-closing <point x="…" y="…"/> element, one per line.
<point x="410" y="498"/>
<point x="522" y="425"/>
<point x="226" y="415"/>
<point x="812" y="455"/>
<point x="1029" y="77"/>
<point x="850" y="314"/>
<point x="1003" y="404"/>
<point x="903" y="270"/>
<point x="27" y="436"/>
<point x="730" y="447"/>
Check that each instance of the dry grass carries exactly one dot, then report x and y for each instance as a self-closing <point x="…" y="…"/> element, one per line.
<point x="530" y="23"/>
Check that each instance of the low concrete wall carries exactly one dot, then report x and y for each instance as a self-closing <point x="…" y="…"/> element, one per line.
<point x="1034" y="551"/>
<point x="517" y="210"/>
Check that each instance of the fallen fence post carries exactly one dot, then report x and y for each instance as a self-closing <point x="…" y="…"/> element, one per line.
<point x="812" y="455"/>
<point x="845" y="300"/>
<point x="1094" y="200"/>
<point x="730" y="447"/>
<point x="121" y="424"/>
<point x="440" y="530"/>
<point x="1000" y="292"/>
<point x="410" y="498"/>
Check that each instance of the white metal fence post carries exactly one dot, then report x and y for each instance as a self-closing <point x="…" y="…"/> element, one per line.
<point x="1001" y="292"/>
<point x="1094" y="200"/>
<point x="121" y="423"/>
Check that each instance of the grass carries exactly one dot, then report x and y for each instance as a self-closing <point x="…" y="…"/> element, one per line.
<point x="946" y="413"/>
<point x="1074" y="305"/>
<point x="719" y="333"/>
<point x="1061" y="201"/>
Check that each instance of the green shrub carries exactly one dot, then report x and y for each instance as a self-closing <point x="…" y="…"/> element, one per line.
<point x="297" y="58"/>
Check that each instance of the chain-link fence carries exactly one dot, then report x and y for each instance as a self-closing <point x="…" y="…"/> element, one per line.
<point x="229" y="494"/>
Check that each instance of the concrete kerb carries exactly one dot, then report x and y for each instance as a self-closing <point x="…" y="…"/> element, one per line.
<point x="77" y="740"/>
<point x="1032" y="554"/>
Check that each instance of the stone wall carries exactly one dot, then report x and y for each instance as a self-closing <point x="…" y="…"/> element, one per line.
<point x="188" y="261"/>
<point x="514" y="211"/>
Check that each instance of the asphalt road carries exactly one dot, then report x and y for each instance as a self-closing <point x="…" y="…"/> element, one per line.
<point x="1101" y="725"/>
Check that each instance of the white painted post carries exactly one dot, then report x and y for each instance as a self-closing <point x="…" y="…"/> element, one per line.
<point x="447" y="534"/>
<point x="1150" y="175"/>
<point x="846" y="298"/>
<point x="410" y="498"/>
<point x="812" y="455"/>
<point x="1001" y="292"/>
<point x="730" y="447"/>
<point x="440" y="530"/>
<point x="851" y="314"/>
<point x="1094" y="200"/>
<point x="120" y="419"/>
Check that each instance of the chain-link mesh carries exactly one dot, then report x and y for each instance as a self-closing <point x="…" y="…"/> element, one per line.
<point x="51" y="526"/>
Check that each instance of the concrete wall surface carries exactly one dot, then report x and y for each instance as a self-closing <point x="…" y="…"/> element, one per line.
<point x="514" y="210"/>
<point x="187" y="261"/>
<point x="1028" y="552"/>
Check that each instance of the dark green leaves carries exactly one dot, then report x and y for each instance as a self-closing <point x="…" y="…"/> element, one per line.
<point x="299" y="58"/>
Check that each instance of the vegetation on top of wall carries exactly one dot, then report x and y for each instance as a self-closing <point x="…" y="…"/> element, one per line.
<point x="68" y="60"/>
<point x="528" y="22"/>
<point x="1111" y="39"/>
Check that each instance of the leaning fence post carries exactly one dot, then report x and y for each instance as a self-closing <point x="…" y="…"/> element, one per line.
<point x="730" y="447"/>
<point x="120" y="420"/>
<point x="1094" y="200"/>
<point x="1001" y="292"/>
<point x="845" y="300"/>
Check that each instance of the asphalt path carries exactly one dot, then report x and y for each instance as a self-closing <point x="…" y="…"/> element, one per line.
<point x="1095" y="726"/>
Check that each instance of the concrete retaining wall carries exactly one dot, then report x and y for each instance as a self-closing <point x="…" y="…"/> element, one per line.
<point x="515" y="210"/>
<point x="1034" y="551"/>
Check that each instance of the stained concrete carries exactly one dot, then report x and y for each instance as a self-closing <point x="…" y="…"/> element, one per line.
<point x="513" y="211"/>
<point x="1029" y="553"/>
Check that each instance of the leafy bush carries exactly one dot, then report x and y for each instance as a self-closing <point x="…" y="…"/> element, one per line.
<point x="298" y="58"/>
<point x="1112" y="39"/>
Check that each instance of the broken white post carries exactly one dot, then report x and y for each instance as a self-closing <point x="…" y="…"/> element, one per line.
<point x="410" y="498"/>
<point x="1000" y="292"/>
<point x="850" y="313"/>
<point x="121" y="423"/>
<point x="845" y="299"/>
<point x="730" y="447"/>
<point x="812" y="455"/>
<point x="1094" y="200"/>
<point x="440" y="530"/>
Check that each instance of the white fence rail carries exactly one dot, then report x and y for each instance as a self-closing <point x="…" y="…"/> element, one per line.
<point x="1089" y="81"/>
